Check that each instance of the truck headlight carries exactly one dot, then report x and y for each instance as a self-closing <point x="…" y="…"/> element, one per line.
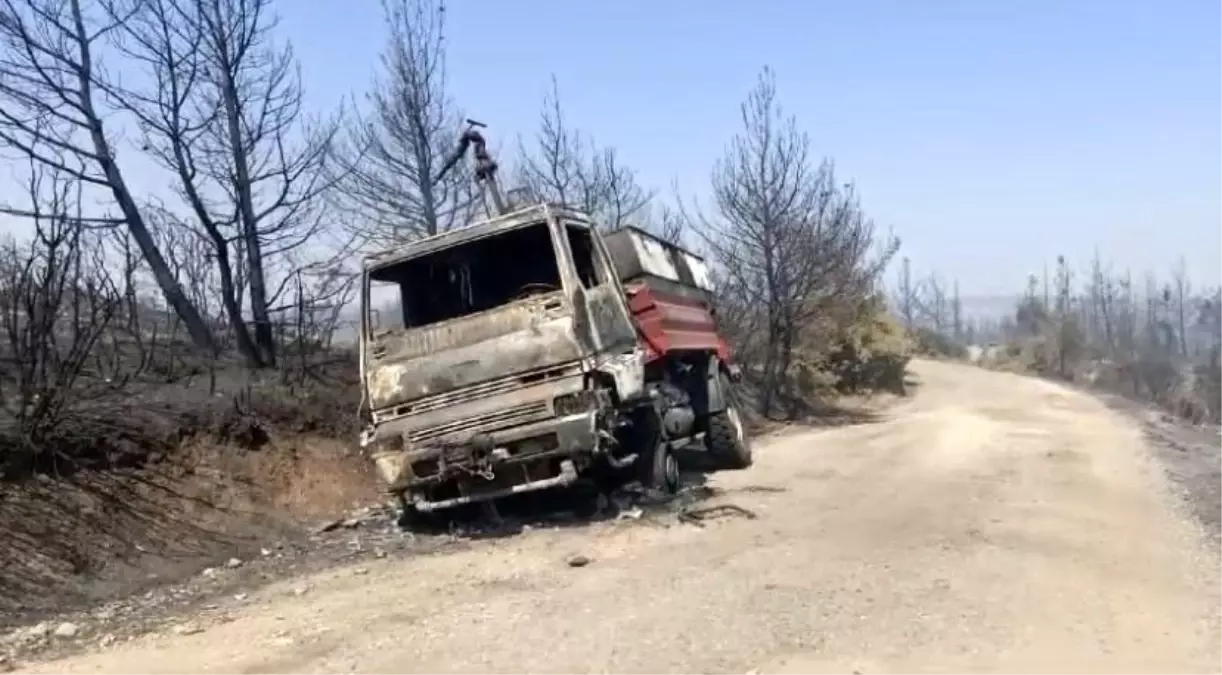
<point x="391" y="460"/>
<point x="574" y="403"/>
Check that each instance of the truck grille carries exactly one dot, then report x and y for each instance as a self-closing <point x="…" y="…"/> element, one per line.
<point x="505" y="417"/>
<point x="499" y="385"/>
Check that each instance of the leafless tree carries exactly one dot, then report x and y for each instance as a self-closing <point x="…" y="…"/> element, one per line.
<point x="907" y="301"/>
<point x="664" y="221"/>
<point x="225" y="117"/>
<point x="564" y="166"/>
<point x="786" y="235"/>
<point x="393" y="151"/>
<point x="51" y="110"/>
<point x="1182" y="294"/>
<point x="56" y="301"/>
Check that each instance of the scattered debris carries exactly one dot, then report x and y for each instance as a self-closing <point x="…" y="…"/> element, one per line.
<point x="633" y="513"/>
<point x="330" y="525"/>
<point x="697" y="516"/>
<point x="190" y="606"/>
<point x="66" y="629"/>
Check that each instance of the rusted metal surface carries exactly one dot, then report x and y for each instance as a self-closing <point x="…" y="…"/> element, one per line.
<point x="487" y="392"/>
<point x="567" y="476"/>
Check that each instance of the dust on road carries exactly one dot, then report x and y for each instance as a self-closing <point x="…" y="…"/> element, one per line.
<point x="992" y="523"/>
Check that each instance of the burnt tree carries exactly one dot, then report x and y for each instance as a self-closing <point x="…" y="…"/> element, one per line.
<point x="564" y="166"/>
<point x="51" y="110"/>
<point x="392" y="153"/>
<point x="791" y="240"/>
<point x="224" y="116"/>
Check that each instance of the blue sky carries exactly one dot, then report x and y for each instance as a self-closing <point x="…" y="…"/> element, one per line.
<point x="990" y="135"/>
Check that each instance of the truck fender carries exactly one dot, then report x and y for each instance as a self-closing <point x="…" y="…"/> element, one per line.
<point x="627" y="371"/>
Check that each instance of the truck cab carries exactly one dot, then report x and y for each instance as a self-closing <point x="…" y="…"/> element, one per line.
<point x="504" y="336"/>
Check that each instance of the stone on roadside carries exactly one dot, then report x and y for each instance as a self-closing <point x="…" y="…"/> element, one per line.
<point x="233" y="563"/>
<point x="66" y="629"/>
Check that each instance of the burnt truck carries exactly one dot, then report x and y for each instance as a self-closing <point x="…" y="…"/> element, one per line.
<point x="531" y="351"/>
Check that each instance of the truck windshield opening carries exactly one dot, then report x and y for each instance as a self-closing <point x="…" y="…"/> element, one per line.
<point x="467" y="279"/>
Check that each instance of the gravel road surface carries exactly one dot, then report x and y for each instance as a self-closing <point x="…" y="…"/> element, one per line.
<point x="990" y="523"/>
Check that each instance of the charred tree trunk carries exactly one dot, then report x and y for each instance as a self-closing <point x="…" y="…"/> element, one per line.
<point x="171" y="290"/>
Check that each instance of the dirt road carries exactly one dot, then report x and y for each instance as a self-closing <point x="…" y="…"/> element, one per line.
<point x="991" y="523"/>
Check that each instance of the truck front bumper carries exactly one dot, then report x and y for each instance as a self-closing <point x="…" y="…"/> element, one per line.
<point x="492" y="464"/>
<point x="567" y="476"/>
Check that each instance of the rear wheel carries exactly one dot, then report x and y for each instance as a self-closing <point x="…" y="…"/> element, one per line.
<point x="727" y="437"/>
<point x="657" y="466"/>
<point x="661" y="469"/>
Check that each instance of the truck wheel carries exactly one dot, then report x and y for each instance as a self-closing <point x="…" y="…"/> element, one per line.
<point x="727" y="438"/>
<point x="660" y="469"/>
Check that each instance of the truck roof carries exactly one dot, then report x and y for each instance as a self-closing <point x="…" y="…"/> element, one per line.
<point x="646" y="233"/>
<point x="478" y="230"/>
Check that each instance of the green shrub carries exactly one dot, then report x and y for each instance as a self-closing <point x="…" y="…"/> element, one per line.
<point x="868" y="353"/>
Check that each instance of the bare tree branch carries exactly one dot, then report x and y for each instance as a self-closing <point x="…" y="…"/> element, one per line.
<point x="565" y="167"/>
<point x="391" y="154"/>
<point x="49" y="113"/>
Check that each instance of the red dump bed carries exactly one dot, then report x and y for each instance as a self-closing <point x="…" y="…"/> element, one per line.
<point x="669" y="293"/>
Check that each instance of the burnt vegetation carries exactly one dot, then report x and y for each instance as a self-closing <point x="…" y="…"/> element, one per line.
<point x="1156" y="341"/>
<point x="185" y="231"/>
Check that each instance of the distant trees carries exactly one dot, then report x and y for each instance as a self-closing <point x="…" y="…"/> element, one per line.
<point x="932" y="314"/>
<point x="1158" y="341"/>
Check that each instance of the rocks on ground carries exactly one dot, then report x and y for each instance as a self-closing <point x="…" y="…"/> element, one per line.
<point x="190" y="607"/>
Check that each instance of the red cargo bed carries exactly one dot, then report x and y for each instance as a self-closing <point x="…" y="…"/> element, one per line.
<point x="669" y="293"/>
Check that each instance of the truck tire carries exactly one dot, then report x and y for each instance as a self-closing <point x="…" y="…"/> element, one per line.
<point x="727" y="439"/>
<point x="656" y="466"/>
<point x="660" y="469"/>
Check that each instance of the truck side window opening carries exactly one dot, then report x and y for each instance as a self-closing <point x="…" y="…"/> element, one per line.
<point x="475" y="277"/>
<point x="581" y="243"/>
